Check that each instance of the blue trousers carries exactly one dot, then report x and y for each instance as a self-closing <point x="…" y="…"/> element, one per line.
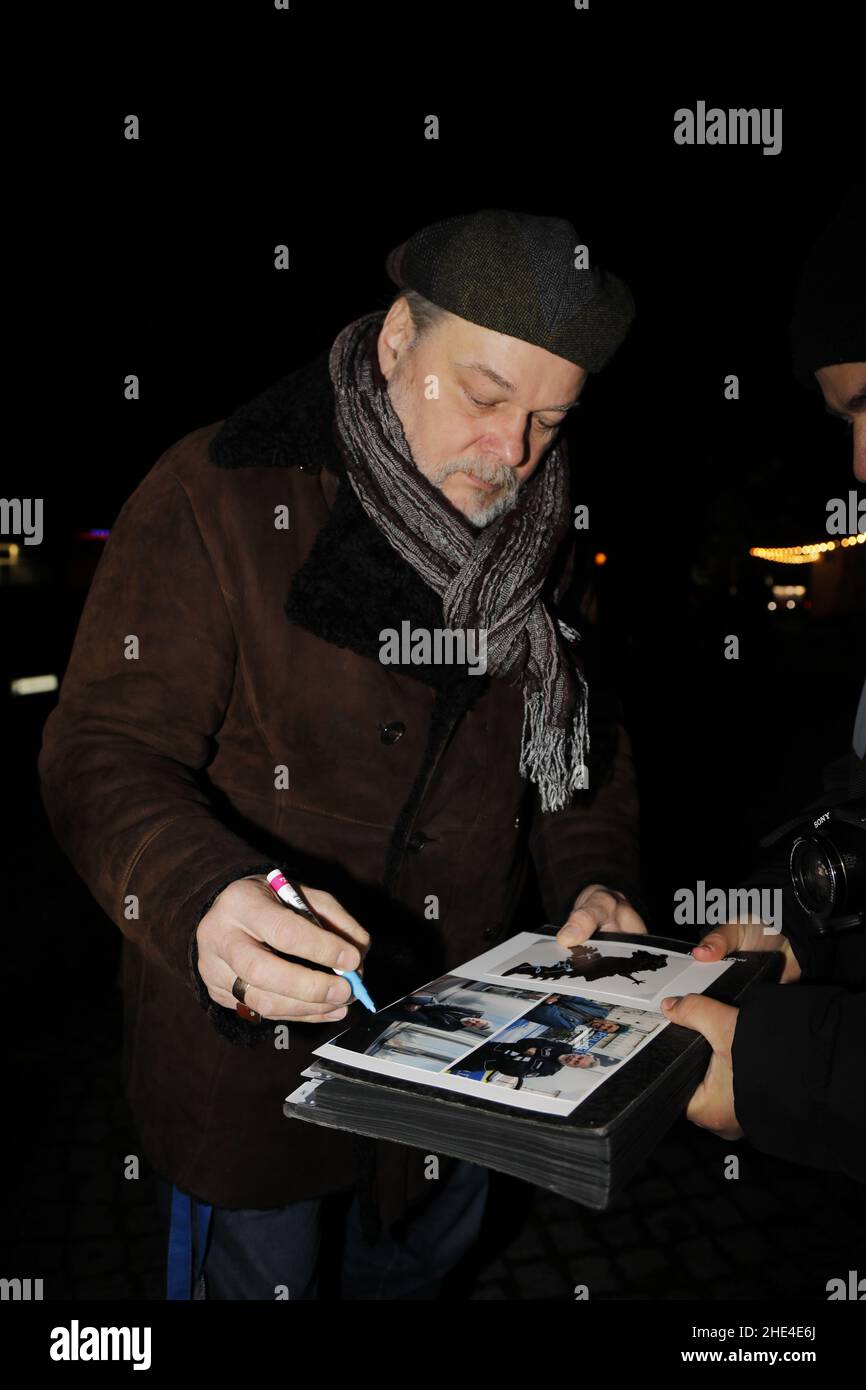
<point x="253" y="1254"/>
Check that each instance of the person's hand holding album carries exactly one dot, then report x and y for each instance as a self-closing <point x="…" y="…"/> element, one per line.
<point x="747" y="936"/>
<point x="712" y="1104"/>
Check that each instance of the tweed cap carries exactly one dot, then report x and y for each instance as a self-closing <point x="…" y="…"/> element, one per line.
<point x="514" y="272"/>
<point x="828" y="325"/>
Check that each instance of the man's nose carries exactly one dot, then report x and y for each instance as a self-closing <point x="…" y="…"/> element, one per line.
<point x="509" y="441"/>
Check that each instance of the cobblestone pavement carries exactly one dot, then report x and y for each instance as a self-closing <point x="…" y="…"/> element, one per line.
<point x="681" y="1231"/>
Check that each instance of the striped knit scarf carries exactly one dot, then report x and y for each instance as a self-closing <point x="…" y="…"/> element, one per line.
<point x="489" y="579"/>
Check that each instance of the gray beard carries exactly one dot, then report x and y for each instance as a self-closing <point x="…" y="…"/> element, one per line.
<point x="509" y="488"/>
<point x="493" y="511"/>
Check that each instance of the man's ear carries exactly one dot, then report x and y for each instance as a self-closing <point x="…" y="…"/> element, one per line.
<point x="395" y="336"/>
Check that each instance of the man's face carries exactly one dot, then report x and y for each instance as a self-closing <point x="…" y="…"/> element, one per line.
<point x="500" y="405"/>
<point x="479" y="1023"/>
<point x="577" y="1059"/>
<point x="843" y="387"/>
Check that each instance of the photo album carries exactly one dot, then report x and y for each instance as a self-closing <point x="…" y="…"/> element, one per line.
<point x="549" y="1063"/>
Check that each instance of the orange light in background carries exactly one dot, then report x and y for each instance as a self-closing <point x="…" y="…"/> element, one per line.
<point x="600" y="558"/>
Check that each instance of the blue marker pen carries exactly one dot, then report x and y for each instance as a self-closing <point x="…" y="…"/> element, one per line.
<point x="291" y="895"/>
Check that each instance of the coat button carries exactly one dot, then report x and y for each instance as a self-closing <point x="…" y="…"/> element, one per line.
<point x="489" y="933"/>
<point x="417" y="840"/>
<point x="389" y="733"/>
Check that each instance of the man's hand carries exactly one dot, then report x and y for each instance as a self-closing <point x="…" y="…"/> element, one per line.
<point x="747" y="936"/>
<point x="712" y="1105"/>
<point x="598" y="908"/>
<point x="245" y="920"/>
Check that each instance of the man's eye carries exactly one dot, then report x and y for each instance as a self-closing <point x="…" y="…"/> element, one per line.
<point x="548" y="429"/>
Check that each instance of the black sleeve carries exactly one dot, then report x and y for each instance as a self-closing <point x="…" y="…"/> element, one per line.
<point x="799" y="1060"/>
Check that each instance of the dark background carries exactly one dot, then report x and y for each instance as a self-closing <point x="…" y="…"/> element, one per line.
<point x="156" y="258"/>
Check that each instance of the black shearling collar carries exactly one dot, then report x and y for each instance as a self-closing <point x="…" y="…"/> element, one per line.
<point x="288" y="425"/>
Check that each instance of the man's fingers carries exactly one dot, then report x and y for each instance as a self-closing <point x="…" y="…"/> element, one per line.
<point x="291" y="1011"/>
<point x="578" y="926"/>
<point x="627" y="920"/>
<point x="710" y="1017"/>
<point x="696" y="1108"/>
<point x="596" y="911"/>
<point x="289" y="932"/>
<point x="711" y="1104"/>
<point x="306" y="993"/>
<point x="600" y="911"/>
<point x="247" y="934"/>
<point x="685" y="1009"/>
<point x="334" y="915"/>
<point x="720" y="942"/>
<point x="281" y="979"/>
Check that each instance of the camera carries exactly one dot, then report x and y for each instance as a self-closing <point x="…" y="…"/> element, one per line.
<point x="827" y="866"/>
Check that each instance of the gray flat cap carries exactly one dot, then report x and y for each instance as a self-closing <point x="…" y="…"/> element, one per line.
<point x="514" y="272"/>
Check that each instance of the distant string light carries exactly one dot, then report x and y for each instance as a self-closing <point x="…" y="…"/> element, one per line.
<point x="803" y="554"/>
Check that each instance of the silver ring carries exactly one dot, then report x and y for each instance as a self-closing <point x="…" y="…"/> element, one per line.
<point x="239" y="989"/>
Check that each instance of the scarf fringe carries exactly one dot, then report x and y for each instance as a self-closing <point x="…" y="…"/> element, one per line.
<point x="555" y="759"/>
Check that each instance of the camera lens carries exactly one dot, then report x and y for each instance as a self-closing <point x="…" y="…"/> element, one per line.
<point x="814" y="876"/>
<point x="827" y="868"/>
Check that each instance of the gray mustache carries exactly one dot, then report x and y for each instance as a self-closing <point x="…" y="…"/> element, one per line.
<point x="487" y="473"/>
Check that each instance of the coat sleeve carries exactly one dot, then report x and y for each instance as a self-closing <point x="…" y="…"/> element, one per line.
<point x="799" y="1058"/>
<point x="595" y="840"/>
<point x="124" y="749"/>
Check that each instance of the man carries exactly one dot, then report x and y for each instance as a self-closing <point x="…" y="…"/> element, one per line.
<point x="788" y="1067"/>
<point x="557" y="1012"/>
<point x="415" y="476"/>
<point x="530" y="1057"/>
<point x="441" y="1014"/>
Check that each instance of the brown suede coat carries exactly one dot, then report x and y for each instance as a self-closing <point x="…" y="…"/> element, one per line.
<point x="257" y="650"/>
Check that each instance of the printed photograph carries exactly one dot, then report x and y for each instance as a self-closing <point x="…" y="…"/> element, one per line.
<point x="437" y="1024"/>
<point x="639" y="972"/>
<point x="560" y="1047"/>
